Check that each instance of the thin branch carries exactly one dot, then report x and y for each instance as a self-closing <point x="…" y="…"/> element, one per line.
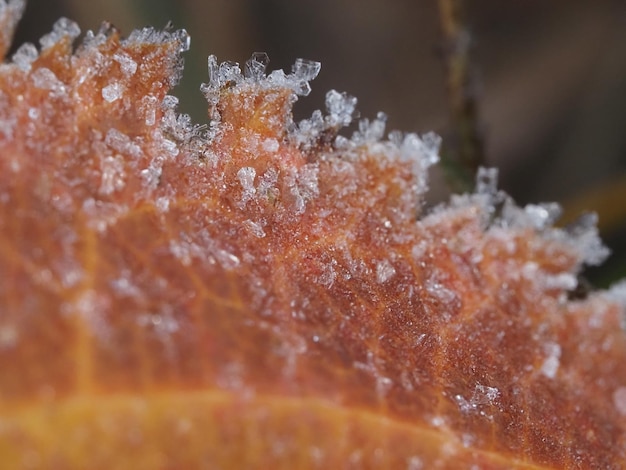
<point x="464" y="152"/>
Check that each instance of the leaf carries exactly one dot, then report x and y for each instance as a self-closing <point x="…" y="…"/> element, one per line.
<point x="259" y="293"/>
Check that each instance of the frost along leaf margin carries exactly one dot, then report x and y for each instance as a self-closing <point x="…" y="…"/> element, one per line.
<point x="267" y="293"/>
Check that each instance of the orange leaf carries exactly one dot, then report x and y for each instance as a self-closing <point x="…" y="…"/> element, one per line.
<point x="259" y="294"/>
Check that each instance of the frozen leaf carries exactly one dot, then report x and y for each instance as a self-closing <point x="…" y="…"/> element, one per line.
<point x="269" y="294"/>
<point x="10" y="14"/>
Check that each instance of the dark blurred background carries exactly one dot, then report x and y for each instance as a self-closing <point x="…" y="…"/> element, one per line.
<point x="551" y="78"/>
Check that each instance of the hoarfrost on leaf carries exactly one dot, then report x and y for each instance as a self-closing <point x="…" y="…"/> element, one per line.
<point x="183" y="38"/>
<point x="585" y="237"/>
<point x="113" y="174"/>
<point x="270" y="145"/>
<point x="551" y="363"/>
<point x="246" y="176"/>
<point x="487" y="181"/>
<point x="370" y="132"/>
<point x="25" y="55"/>
<point x="341" y="107"/>
<point x="482" y="397"/>
<point x="255" y="228"/>
<point x="542" y="216"/>
<point x="357" y="235"/>
<point x="127" y="64"/>
<point x="113" y="92"/>
<point x="619" y="400"/>
<point x="229" y="73"/>
<point x="422" y="154"/>
<point x="45" y="79"/>
<point x="62" y="28"/>
<point x="384" y="271"/>
<point x="256" y="65"/>
<point x="304" y="69"/>
<point x="121" y="143"/>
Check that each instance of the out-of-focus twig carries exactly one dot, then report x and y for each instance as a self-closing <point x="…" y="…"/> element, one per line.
<point x="464" y="152"/>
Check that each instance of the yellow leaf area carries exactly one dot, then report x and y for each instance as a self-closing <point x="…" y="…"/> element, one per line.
<point x="266" y="294"/>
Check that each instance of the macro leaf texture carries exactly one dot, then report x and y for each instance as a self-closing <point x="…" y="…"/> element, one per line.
<point x="261" y="293"/>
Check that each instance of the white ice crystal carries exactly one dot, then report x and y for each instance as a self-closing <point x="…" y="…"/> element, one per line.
<point x="62" y="28"/>
<point x="25" y="55"/>
<point x="112" y="92"/>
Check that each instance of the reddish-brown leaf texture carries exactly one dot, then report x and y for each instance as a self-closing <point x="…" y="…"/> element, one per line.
<point x="266" y="294"/>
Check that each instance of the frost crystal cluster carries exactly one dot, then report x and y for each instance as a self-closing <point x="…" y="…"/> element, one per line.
<point x="264" y="293"/>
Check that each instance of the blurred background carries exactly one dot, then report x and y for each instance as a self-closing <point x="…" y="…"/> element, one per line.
<point x="550" y="79"/>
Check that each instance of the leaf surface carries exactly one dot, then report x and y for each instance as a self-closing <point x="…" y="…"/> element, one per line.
<point x="268" y="294"/>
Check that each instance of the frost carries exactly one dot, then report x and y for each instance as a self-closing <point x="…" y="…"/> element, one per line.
<point x="113" y="174"/>
<point x="256" y="65"/>
<point x="150" y="35"/>
<point x="619" y="400"/>
<point x="541" y="216"/>
<point x="483" y="396"/>
<point x="270" y="145"/>
<point x="229" y="75"/>
<point x="91" y="307"/>
<point x="303" y="185"/>
<point x="562" y="281"/>
<point x="163" y="204"/>
<point x="328" y="275"/>
<point x="183" y="38"/>
<point x="304" y="69"/>
<point x="372" y="367"/>
<point x="45" y="79"/>
<point x="353" y="239"/>
<point x="127" y="64"/>
<point x="370" y="132"/>
<point x="184" y="249"/>
<point x="487" y="181"/>
<point x="113" y="92"/>
<point x="267" y="184"/>
<point x="246" y="177"/>
<point x="101" y="214"/>
<point x="340" y="107"/>
<point x="551" y="363"/>
<point x="121" y="143"/>
<point x="14" y="8"/>
<point x="62" y="28"/>
<point x="25" y="55"/>
<point x="438" y="290"/>
<point x="162" y="324"/>
<point x="34" y="113"/>
<point x="437" y="421"/>
<point x="205" y="249"/>
<point x="384" y="271"/>
<point x="255" y="228"/>
<point x="148" y="108"/>
<point x="124" y="286"/>
<point x="585" y="237"/>
<point x="423" y="153"/>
